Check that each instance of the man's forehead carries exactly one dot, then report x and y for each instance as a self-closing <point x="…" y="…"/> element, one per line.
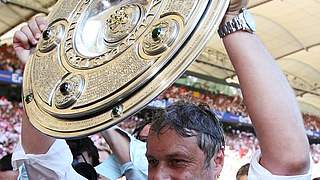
<point x="170" y="143"/>
<point x="168" y="133"/>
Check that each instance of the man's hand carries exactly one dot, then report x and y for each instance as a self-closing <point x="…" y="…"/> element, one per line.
<point x="25" y="39"/>
<point x="233" y="9"/>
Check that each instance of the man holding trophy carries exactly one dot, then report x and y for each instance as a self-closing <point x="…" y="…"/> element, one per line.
<point x="186" y="140"/>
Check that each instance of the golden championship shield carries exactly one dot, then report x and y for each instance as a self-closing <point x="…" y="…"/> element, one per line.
<point x="100" y="61"/>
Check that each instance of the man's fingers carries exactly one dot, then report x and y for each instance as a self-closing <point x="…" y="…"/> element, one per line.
<point x="34" y="28"/>
<point x="41" y="22"/>
<point x="27" y="37"/>
<point x="28" y="33"/>
<point x="20" y="39"/>
<point x="236" y="5"/>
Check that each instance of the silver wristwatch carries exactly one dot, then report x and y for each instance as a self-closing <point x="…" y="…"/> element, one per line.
<point x="243" y="21"/>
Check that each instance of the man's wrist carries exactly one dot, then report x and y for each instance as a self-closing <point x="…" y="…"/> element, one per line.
<point x="233" y="23"/>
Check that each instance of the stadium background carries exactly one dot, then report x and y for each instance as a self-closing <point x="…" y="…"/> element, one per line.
<point x="293" y="41"/>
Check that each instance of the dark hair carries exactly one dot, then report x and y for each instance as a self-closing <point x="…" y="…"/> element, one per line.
<point x="5" y="163"/>
<point x="243" y="171"/>
<point x="78" y="146"/>
<point x="189" y="119"/>
<point x="147" y="115"/>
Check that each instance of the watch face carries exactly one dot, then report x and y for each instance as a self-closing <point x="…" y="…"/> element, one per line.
<point x="249" y="20"/>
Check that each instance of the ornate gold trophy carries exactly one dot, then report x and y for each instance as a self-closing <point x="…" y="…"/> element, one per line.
<point x="100" y="61"/>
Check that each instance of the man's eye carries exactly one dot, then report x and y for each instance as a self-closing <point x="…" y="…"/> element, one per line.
<point x="152" y="162"/>
<point x="178" y="162"/>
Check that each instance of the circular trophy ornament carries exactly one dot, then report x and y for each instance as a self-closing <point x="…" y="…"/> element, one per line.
<point x="101" y="61"/>
<point x="68" y="91"/>
<point x="121" y="22"/>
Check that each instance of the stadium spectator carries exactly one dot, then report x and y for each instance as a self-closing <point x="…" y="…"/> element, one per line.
<point x="242" y="173"/>
<point x="9" y="61"/>
<point x="311" y="122"/>
<point x="85" y="157"/>
<point x="127" y="158"/>
<point x="6" y="170"/>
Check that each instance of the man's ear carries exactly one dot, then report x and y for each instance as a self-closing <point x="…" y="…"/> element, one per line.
<point x="218" y="161"/>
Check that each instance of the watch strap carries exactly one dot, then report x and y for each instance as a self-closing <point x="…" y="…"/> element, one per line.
<point x="243" y="21"/>
<point x="229" y="27"/>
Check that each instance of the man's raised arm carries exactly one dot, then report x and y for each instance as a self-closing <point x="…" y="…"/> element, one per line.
<point x="39" y="156"/>
<point x="271" y="104"/>
<point x="24" y="41"/>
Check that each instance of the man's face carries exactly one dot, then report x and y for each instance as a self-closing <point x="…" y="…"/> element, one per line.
<point x="171" y="156"/>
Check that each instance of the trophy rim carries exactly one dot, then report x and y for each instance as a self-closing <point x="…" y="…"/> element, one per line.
<point x="135" y="101"/>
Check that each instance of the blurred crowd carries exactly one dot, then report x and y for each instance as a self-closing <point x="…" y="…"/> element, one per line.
<point x="243" y="144"/>
<point x="218" y="102"/>
<point x="311" y="122"/>
<point x="223" y="103"/>
<point x="239" y="143"/>
<point x="9" y="61"/>
<point x="10" y="124"/>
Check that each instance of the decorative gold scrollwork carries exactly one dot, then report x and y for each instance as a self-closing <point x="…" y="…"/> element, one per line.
<point x="121" y="22"/>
